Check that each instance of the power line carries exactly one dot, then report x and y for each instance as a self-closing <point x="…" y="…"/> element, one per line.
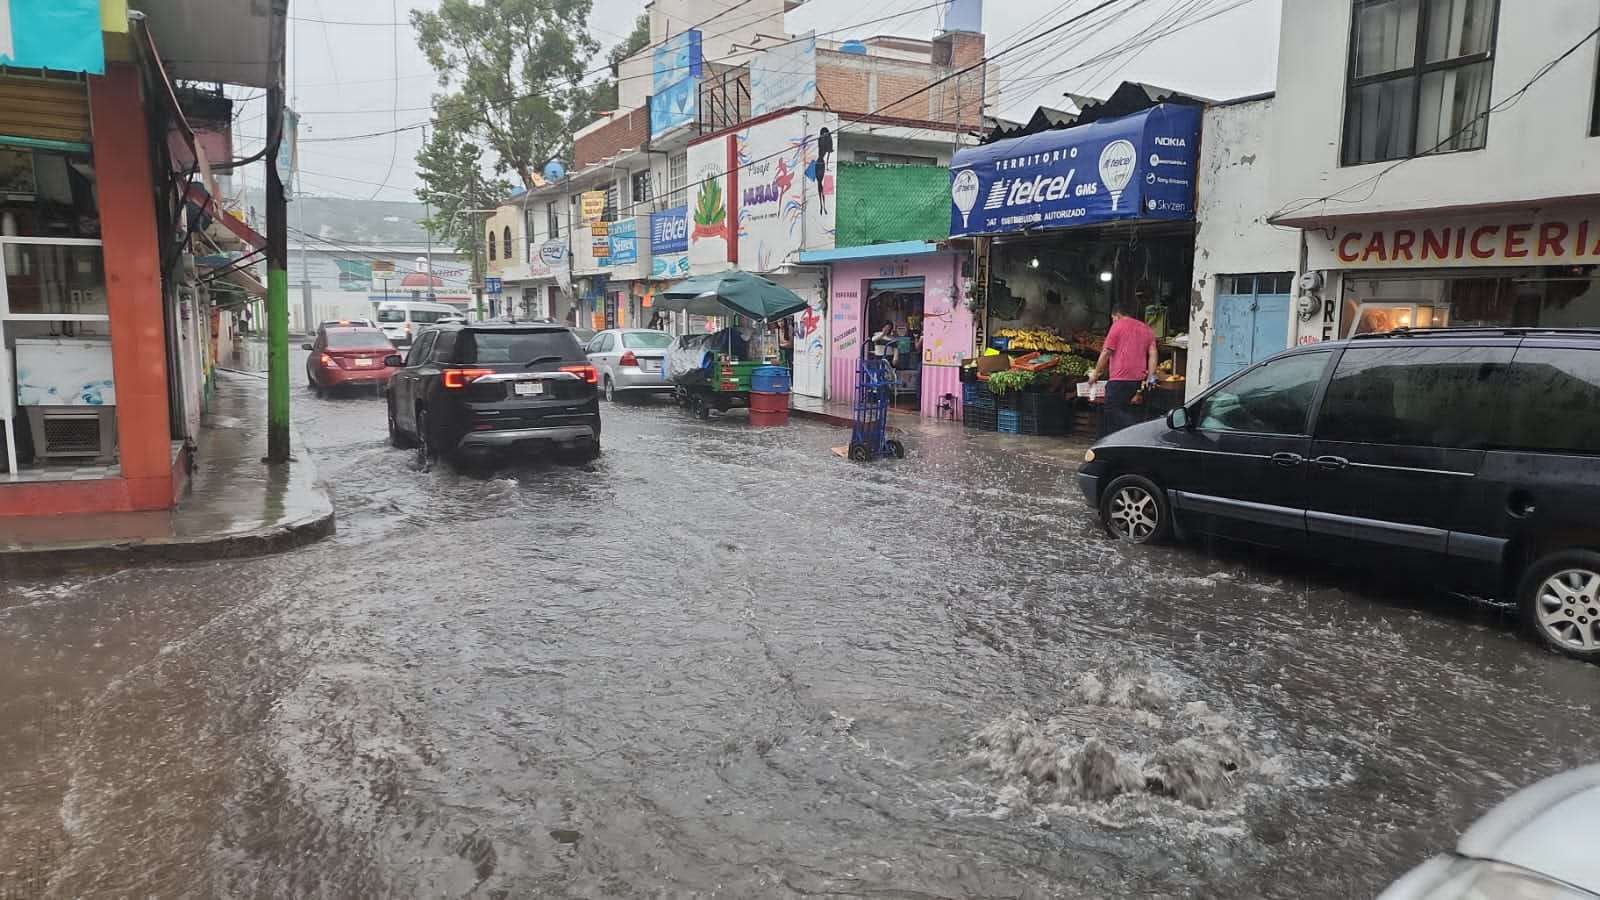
<point x="1505" y="104"/>
<point x="394" y="106"/>
<point x="731" y="58"/>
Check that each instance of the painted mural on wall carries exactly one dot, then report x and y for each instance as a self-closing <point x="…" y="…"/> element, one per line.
<point x="779" y="201"/>
<point x="786" y="188"/>
<point x="810" y="376"/>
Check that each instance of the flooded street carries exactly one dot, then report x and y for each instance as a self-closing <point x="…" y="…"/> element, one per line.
<point x="721" y="662"/>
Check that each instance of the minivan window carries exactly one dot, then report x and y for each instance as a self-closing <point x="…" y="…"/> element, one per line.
<point x="391" y="315"/>
<point x="1557" y="402"/>
<point x="1272" y="398"/>
<point x="427" y="316"/>
<point x="518" y="347"/>
<point x="646" y="340"/>
<point x="1416" y="396"/>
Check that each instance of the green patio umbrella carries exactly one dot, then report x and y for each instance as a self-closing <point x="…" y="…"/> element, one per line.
<point x="731" y="293"/>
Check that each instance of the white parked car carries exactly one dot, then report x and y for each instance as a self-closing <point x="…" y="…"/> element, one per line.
<point x="630" y="361"/>
<point x="1538" y="844"/>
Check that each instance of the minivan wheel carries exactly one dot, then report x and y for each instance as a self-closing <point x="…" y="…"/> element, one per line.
<point x="1133" y="509"/>
<point x="1560" y="602"/>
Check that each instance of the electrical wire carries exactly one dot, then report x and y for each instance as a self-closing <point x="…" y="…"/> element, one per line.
<point x="1509" y="101"/>
<point x="394" y="106"/>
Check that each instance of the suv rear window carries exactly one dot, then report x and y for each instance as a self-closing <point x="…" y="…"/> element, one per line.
<point x="1557" y="406"/>
<point x="357" y="339"/>
<point x="519" y="347"/>
<point x="646" y="340"/>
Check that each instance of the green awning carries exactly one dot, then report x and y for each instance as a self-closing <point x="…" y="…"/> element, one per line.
<point x="731" y="293"/>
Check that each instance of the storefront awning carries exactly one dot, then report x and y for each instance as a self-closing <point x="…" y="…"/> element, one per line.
<point x="1134" y="168"/>
<point x="869" y="251"/>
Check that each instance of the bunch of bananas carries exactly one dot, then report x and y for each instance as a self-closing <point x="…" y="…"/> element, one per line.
<point x="1034" y="339"/>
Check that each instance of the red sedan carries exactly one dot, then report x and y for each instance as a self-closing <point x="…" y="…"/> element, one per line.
<point x="348" y="356"/>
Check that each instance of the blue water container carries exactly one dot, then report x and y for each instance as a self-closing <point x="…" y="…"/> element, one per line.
<point x="770" y="380"/>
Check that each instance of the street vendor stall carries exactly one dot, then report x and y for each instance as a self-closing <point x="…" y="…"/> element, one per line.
<point x="713" y="372"/>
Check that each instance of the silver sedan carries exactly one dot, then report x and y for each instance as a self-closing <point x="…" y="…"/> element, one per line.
<point x="631" y="361"/>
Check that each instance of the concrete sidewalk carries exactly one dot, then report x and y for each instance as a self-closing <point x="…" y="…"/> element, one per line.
<point x="236" y="505"/>
<point x="1063" y="450"/>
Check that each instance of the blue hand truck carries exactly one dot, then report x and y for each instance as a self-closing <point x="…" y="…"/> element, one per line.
<point x="869" y="433"/>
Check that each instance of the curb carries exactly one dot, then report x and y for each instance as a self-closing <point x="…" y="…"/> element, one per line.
<point x="261" y="542"/>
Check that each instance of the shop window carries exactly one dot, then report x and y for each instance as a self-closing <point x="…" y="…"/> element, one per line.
<point x="1557" y="406"/>
<point x="1416" y="396"/>
<point x="1419" y="77"/>
<point x="678" y="179"/>
<point x="553" y="220"/>
<point x="641" y="189"/>
<point x="1531" y="297"/>
<point x="613" y="202"/>
<point x="54" y="317"/>
<point x="1272" y="398"/>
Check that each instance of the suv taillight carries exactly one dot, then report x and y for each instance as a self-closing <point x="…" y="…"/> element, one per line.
<point x="588" y="373"/>
<point x="456" y="379"/>
<point x="628" y="359"/>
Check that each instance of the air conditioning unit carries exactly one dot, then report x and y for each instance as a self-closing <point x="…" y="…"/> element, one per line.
<point x="85" y="434"/>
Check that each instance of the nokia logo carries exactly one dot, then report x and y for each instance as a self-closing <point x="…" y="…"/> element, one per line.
<point x="1170" y="142"/>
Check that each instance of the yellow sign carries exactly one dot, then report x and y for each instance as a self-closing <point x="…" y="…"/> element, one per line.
<point x="600" y="229"/>
<point x="592" y="205"/>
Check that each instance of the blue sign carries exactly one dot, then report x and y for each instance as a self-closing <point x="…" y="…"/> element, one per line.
<point x="1137" y="167"/>
<point x="491" y="284"/>
<point x="669" y="231"/>
<point x="675" y="69"/>
<point x="624" y="237"/>
<point x="669" y="267"/>
<point x="52" y="34"/>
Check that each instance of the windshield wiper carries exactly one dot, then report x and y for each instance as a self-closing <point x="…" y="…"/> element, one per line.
<point x="540" y="359"/>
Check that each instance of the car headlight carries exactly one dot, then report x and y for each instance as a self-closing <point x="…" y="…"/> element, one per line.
<point x="1088" y="456"/>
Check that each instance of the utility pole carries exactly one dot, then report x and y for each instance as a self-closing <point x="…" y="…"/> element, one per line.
<point x="277" y="249"/>
<point x="427" y="208"/>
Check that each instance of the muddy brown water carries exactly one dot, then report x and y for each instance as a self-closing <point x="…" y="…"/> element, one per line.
<point x="721" y="662"/>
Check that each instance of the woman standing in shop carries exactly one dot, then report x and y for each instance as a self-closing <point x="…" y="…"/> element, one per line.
<point x="1129" y="358"/>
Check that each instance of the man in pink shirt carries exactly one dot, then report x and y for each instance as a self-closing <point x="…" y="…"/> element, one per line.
<point x="1130" y="353"/>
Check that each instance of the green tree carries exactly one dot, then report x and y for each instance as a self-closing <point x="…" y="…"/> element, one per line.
<point x="511" y="73"/>
<point x="452" y="171"/>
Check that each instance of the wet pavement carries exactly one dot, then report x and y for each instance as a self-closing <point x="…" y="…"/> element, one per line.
<point x="721" y="662"/>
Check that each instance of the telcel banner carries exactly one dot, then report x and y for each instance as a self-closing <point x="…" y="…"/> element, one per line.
<point x="669" y="230"/>
<point x="1137" y="167"/>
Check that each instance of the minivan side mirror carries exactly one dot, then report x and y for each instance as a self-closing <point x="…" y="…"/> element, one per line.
<point x="1178" y="419"/>
<point x="393" y="361"/>
<point x="305" y="346"/>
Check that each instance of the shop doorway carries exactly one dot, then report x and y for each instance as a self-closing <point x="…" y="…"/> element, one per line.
<point x="1252" y="321"/>
<point x="894" y="311"/>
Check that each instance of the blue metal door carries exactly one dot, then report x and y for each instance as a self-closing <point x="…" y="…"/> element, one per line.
<point x="1252" y="321"/>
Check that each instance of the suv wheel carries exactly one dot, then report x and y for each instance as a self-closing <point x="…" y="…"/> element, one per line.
<point x="427" y="445"/>
<point x="397" y="438"/>
<point x="1560" y="601"/>
<point x="1133" y="509"/>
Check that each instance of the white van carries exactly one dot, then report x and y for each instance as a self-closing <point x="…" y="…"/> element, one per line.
<point x="403" y="320"/>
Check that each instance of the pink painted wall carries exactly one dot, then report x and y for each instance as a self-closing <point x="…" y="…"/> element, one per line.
<point x="947" y="324"/>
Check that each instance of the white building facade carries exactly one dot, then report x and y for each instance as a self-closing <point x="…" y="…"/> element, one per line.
<point x="1423" y="163"/>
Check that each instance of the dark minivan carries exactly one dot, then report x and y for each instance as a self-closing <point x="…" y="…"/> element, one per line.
<point x="495" y="386"/>
<point x="1469" y="456"/>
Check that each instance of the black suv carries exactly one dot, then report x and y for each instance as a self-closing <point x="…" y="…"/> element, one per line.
<point x="1469" y="456"/>
<point x="491" y="386"/>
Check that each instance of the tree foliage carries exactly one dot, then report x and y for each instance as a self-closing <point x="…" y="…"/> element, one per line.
<point x="453" y="181"/>
<point x="602" y="95"/>
<point x="511" y="72"/>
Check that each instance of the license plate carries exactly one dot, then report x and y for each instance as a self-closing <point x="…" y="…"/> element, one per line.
<point x="363" y="363"/>
<point x="652" y="365"/>
<point x="528" y="388"/>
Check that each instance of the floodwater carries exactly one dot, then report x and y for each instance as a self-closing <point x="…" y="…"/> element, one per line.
<point x="720" y="662"/>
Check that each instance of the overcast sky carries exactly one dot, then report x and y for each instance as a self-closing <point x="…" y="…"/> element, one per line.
<point x="343" y="75"/>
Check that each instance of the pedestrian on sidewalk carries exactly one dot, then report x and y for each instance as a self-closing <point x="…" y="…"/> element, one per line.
<point x="1129" y="361"/>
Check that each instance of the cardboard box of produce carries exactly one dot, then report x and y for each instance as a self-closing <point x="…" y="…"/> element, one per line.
<point x="988" y="365"/>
